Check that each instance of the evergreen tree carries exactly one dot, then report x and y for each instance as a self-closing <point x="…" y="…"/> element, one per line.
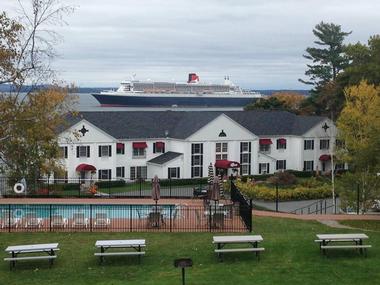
<point x="328" y="58"/>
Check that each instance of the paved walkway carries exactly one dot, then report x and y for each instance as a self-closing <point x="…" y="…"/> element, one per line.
<point x="329" y="217"/>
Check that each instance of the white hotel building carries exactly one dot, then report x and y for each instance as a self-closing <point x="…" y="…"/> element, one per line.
<point x="179" y="144"/>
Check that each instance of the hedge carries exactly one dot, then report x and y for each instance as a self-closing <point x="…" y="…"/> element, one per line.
<point x="182" y="182"/>
<point x="110" y="183"/>
<point x="262" y="192"/>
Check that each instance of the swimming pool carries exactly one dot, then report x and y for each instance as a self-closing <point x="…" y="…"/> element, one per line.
<point x="68" y="210"/>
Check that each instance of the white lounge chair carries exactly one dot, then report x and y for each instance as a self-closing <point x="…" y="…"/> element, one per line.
<point x="57" y="221"/>
<point x="79" y="221"/>
<point x="101" y="220"/>
<point x="32" y="221"/>
<point x="8" y="221"/>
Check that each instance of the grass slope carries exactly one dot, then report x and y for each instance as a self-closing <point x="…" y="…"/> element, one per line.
<point x="291" y="257"/>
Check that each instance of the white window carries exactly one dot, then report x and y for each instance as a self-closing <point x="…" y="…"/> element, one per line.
<point x="83" y="151"/>
<point x="308" y="165"/>
<point x="265" y="148"/>
<point x="173" y="172"/>
<point x="221" y="151"/>
<point x="138" y="172"/>
<point x="245" y="158"/>
<point x="105" y="150"/>
<point x="104" y="174"/>
<point x="280" y="164"/>
<point x="139" y="152"/>
<point x="63" y="152"/>
<point x="263" y="168"/>
<point x="120" y="171"/>
<point x="308" y="145"/>
<point x="196" y="160"/>
<point x="324" y="144"/>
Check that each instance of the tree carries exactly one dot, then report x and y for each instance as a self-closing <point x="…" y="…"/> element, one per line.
<point x="364" y="63"/>
<point x="269" y="103"/>
<point x="291" y="100"/>
<point x="359" y="128"/>
<point x="329" y="59"/>
<point x="28" y="120"/>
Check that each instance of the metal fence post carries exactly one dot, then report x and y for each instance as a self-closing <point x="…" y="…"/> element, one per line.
<point x="170" y="187"/>
<point x="50" y="218"/>
<point x="130" y="218"/>
<point x="171" y="218"/>
<point x="250" y="215"/>
<point x="357" y="199"/>
<point x="276" y="197"/>
<point x="90" y="217"/>
<point x="140" y="182"/>
<point x="9" y="218"/>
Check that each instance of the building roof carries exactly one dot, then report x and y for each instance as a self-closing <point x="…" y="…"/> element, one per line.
<point x="165" y="157"/>
<point x="182" y="124"/>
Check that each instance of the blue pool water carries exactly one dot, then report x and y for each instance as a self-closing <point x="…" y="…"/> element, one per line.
<point x="67" y="211"/>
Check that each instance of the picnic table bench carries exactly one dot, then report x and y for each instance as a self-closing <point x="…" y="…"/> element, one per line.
<point x="49" y="248"/>
<point x="252" y="240"/>
<point x="342" y="241"/>
<point x="104" y="245"/>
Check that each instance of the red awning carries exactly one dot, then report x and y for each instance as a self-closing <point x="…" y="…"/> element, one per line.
<point x="226" y="164"/>
<point x="324" y="157"/>
<point x="119" y="146"/>
<point x="85" y="167"/>
<point x="160" y="144"/>
<point x="282" y="141"/>
<point x="265" y="141"/>
<point x="140" y="145"/>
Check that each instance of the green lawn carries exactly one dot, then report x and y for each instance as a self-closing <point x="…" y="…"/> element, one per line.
<point x="291" y="257"/>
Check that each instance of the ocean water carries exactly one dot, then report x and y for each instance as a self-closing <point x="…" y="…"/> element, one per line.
<point x="86" y="102"/>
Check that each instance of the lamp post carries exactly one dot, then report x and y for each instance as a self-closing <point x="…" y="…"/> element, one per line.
<point x="325" y="127"/>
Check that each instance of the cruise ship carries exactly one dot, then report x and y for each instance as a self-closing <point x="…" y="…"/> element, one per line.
<point x="192" y="93"/>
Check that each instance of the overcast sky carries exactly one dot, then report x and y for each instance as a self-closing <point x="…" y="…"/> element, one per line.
<point x="259" y="44"/>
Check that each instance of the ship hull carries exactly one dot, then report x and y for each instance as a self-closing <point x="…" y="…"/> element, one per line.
<point x="168" y="101"/>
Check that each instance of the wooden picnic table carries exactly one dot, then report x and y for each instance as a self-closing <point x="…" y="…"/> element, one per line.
<point x="341" y="241"/>
<point x="136" y="244"/>
<point x="252" y="240"/>
<point x="49" y="248"/>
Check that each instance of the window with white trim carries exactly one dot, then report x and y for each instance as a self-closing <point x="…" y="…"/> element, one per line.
<point x="265" y="148"/>
<point x="308" y="144"/>
<point x="104" y="173"/>
<point x="324" y="144"/>
<point x="221" y="151"/>
<point x="139" y="153"/>
<point x="280" y="164"/>
<point x="83" y="151"/>
<point x="263" y="168"/>
<point x="196" y="160"/>
<point x="245" y="158"/>
<point x="308" y="165"/>
<point x="137" y="172"/>
<point x="63" y="152"/>
<point x="173" y="172"/>
<point x="105" y="151"/>
<point x="120" y="171"/>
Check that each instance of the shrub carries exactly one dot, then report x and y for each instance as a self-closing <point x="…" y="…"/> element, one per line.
<point x="181" y="182"/>
<point x="110" y="184"/>
<point x="263" y="192"/>
<point x="282" y="178"/>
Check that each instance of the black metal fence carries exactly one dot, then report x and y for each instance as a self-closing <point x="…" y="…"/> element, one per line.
<point x="122" y="218"/>
<point x="245" y="205"/>
<point x="85" y="188"/>
<point x="322" y="206"/>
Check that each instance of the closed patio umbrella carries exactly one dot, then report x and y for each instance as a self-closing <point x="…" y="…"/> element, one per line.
<point x="215" y="189"/>
<point x="156" y="189"/>
<point x="210" y="174"/>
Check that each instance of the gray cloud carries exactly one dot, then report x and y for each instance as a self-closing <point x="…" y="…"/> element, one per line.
<point x="258" y="43"/>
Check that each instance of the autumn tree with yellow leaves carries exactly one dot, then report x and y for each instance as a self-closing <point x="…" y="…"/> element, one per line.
<point x="35" y="105"/>
<point x="359" y="129"/>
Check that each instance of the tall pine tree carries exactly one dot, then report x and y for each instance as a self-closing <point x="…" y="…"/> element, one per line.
<point x="328" y="57"/>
